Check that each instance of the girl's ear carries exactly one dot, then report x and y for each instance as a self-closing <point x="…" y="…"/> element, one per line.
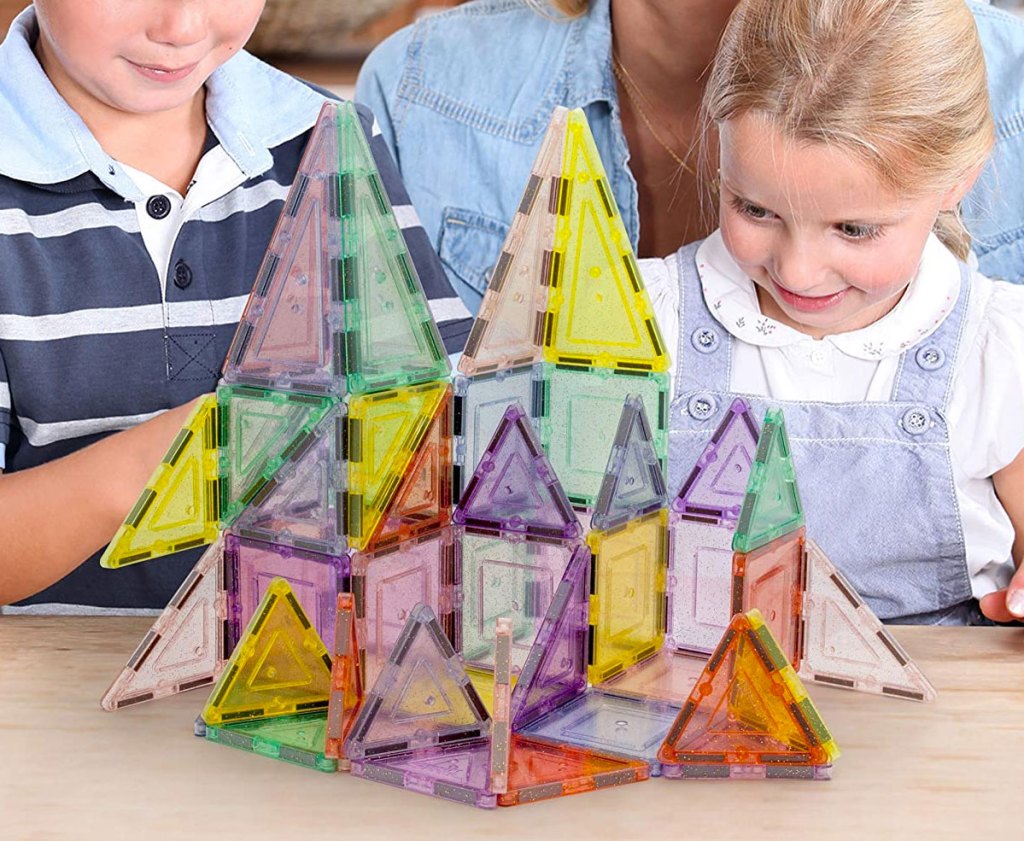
<point x="953" y="196"/>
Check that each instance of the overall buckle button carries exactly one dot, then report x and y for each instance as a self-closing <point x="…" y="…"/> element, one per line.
<point x="705" y="339"/>
<point x="916" y="421"/>
<point x="702" y="406"/>
<point x="930" y="358"/>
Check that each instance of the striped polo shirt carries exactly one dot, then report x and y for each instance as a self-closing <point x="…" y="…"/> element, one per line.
<point x="107" y="319"/>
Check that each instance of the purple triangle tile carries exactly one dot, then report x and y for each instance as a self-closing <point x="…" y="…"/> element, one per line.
<point x="423" y="698"/>
<point x="514" y="488"/>
<point x="633" y="483"/>
<point x="716" y="486"/>
<point x="451" y="772"/>
<point x="556" y="667"/>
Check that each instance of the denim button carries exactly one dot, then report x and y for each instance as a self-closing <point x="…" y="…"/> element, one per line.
<point x="916" y="421"/>
<point x="930" y="358"/>
<point x="182" y="274"/>
<point x="158" y="206"/>
<point x="701" y="406"/>
<point x="705" y="339"/>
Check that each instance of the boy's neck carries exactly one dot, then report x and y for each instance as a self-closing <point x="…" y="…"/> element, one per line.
<point x="166" y="144"/>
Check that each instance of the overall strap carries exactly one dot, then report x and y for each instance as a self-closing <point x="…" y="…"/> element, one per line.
<point x="704" y="355"/>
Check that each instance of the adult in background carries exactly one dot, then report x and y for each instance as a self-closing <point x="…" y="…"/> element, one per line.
<point x="463" y="99"/>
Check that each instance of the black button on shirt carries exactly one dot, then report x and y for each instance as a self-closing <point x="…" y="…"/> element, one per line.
<point x="158" y="206"/>
<point x="182" y="274"/>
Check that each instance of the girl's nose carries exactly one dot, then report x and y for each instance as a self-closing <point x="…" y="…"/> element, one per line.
<point x="797" y="269"/>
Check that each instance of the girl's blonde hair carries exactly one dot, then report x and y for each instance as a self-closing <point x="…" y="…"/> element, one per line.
<point x="901" y="84"/>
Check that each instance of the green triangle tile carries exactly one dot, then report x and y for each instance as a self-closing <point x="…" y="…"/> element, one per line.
<point x="391" y="339"/>
<point x="771" y="507"/>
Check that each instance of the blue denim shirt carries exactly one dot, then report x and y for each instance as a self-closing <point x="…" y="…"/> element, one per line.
<point x="463" y="99"/>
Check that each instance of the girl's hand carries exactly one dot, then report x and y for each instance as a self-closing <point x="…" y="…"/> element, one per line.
<point x="1006" y="605"/>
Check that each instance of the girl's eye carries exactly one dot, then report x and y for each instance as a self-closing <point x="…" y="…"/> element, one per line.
<point x="853" y="231"/>
<point x="748" y="209"/>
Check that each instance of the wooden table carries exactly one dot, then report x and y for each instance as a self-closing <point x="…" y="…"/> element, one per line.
<point x="908" y="771"/>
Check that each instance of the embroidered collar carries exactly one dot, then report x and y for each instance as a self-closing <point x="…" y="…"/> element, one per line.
<point x="732" y="298"/>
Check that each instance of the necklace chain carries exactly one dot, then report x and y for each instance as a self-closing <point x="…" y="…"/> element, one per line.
<point x="635" y="95"/>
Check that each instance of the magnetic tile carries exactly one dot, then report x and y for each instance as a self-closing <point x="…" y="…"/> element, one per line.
<point x="580" y="410"/>
<point x="505" y="577"/>
<point x="612" y="724"/>
<point x="296" y="739"/>
<point x="346" y="681"/>
<point x="599" y="313"/>
<point x="668" y="677"/>
<point x="627" y="608"/>
<point x="178" y="509"/>
<point x="315" y="580"/>
<point x="771" y="506"/>
<point x="555" y="671"/>
<point x="537" y="771"/>
<point x="259" y="430"/>
<point x="422" y="502"/>
<point x="303" y="504"/>
<point x="185" y="648"/>
<point x="699" y="583"/>
<point x="771" y="579"/>
<point x="501" y="696"/>
<point x="747" y="709"/>
<point x="846" y="645"/>
<point x="509" y="328"/>
<point x="480" y="404"/>
<point x="387" y="585"/>
<point x="716" y="486"/>
<point x="291" y="334"/>
<point x="633" y="483"/>
<point x="391" y="339"/>
<point x="514" y="489"/>
<point x="460" y="773"/>
<point x="422" y="698"/>
<point x="280" y="667"/>
<point x="385" y="432"/>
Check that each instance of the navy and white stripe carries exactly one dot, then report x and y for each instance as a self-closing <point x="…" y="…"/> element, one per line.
<point x="91" y="339"/>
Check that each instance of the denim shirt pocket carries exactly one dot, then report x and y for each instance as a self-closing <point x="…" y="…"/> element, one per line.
<point x="469" y="246"/>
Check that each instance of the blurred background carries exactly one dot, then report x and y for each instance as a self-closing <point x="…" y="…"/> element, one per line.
<point x="324" y="41"/>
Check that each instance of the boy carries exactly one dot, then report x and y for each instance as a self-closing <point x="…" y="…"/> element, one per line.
<point x="146" y="158"/>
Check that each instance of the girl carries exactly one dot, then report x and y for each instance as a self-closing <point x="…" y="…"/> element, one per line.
<point x="848" y="132"/>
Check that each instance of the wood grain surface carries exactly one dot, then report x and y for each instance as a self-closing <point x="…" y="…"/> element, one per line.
<point x="908" y="771"/>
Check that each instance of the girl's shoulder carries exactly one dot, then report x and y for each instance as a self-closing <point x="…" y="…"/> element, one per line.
<point x="994" y="323"/>
<point x="987" y="399"/>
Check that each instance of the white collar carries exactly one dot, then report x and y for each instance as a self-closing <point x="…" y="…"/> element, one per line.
<point x="732" y="298"/>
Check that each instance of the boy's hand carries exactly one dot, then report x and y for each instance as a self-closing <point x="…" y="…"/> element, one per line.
<point x="1006" y="605"/>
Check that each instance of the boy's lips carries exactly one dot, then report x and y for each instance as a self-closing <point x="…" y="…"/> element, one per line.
<point x="806" y="303"/>
<point x="162" y="73"/>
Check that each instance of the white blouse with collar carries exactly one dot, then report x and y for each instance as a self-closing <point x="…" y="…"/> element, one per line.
<point x="986" y="412"/>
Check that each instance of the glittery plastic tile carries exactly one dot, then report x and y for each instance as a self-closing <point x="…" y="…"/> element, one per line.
<point x="599" y="313"/>
<point x="514" y="488"/>
<point x="179" y="507"/>
<point x="748" y="711"/>
<point x="509" y="328"/>
<point x="716" y="486"/>
<point x="845" y="644"/>
<point x="580" y="412"/>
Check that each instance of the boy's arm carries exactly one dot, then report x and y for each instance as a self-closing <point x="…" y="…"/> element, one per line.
<point x="1008" y="605"/>
<point x="58" y="514"/>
